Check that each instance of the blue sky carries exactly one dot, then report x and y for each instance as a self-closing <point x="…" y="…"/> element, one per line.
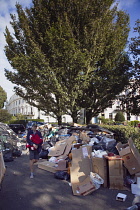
<point x="132" y="7"/>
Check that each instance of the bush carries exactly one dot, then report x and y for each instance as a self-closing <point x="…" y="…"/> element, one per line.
<point x="123" y="133"/>
<point x="134" y="123"/>
<point x="105" y="120"/>
<point x="119" y="117"/>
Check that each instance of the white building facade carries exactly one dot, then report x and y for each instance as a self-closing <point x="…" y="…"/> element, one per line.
<point x="18" y="105"/>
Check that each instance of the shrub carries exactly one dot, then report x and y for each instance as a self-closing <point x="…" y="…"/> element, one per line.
<point x="123" y="133"/>
<point x="119" y="117"/>
<point x="105" y="120"/>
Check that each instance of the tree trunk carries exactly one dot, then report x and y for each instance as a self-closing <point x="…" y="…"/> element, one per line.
<point x="74" y="116"/>
<point x="59" y="120"/>
<point x="88" y="116"/>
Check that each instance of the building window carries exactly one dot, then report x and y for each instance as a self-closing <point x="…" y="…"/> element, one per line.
<point x="102" y="114"/>
<point x="110" y="116"/>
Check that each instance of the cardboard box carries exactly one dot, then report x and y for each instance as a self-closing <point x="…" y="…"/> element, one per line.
<point x="81" y="166"/>
<point x="123" y="149"/>
<point x="115" y="166"/>
<point x="116" y="173"/>
<point x="130" y="155"/>
<point x="131" y="163"/>
<point x="116" y="182"/>
<point x="48" y="166"/>
<point x="121" y="197"/>
<point x="99" y="166"/>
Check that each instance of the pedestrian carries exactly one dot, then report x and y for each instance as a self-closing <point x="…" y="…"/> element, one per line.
<point x="34" y="143"/>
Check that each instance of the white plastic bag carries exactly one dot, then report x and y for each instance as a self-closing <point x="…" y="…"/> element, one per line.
<point x="96" y="179"/>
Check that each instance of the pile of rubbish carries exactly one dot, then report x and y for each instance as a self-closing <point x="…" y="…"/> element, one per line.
<point x="89" y="157"/>
<point x="10" y="144"/>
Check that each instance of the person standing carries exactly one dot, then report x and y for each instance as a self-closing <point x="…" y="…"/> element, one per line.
<point x="34" y="143"/>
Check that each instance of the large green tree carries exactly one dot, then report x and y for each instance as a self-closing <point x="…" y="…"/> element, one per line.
<point x="66" y="52"/>
<point x="3" y="97"/>
<point x="4" y="115"/>
<point x="131" y="98"/>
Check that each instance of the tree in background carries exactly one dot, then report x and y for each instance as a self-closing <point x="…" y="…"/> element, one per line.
<point x="3" y="97"/>
<point x="131" y="100"/>
<point x="119" y="117"/>
<point x="68" y="55"/>
<point x="4" y="115"/>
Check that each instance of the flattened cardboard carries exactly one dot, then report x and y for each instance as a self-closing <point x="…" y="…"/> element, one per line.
<point x="84" y="188"/>
<point x="67" y="148"/>
<point x="62" y="166"/>
<point x="47" y="166"/>
<point x="81" y="166"/>
<point x="99" y="166"/>
<point x="58" y="149"/>
<point x="2" y="167"/>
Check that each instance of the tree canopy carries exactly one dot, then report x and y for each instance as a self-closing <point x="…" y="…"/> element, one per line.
<point x="68" y="55"/>
<point x="131" y="98"/>
<point x="3" y="97"/>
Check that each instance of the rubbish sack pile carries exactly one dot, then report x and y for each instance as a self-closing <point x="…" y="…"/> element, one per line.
<point x="9" y="143"/>
<point x="83" y="152"/>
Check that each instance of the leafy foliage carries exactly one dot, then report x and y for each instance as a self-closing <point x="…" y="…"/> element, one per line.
<point x="119" y="117"/>
<point x="4" y="116"/>
<point x="68" y="55"/>
<point x="3" y="97"/>
<point x="123" y="133"/>
<point x="131" y="100"/>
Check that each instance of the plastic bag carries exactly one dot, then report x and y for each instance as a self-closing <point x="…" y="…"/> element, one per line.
<point x="17" y="153"/>
<point x="62" y="175"/>
<point x="7" y="156"/>
<point x="44" y="154"/>
<point x="96" y="179"/>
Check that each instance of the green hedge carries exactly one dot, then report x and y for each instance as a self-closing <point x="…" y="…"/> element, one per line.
<point x="123" y="133"/>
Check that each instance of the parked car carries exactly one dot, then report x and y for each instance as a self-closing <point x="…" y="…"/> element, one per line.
<point x="17" y="128"/>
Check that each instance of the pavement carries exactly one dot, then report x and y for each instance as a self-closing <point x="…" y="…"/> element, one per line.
<point x="44" y="192"/>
